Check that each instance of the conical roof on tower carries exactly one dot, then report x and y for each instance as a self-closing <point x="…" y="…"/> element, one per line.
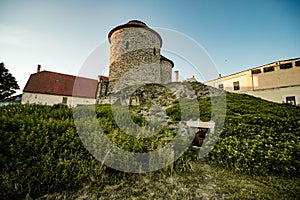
<point x="133" y="23"/>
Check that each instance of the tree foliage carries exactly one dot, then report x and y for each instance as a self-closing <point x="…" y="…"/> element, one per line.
<point x="8" y="83"/>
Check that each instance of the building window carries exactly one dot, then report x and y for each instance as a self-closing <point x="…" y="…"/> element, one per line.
<point x="286" y="66"/>
<point x="64" y="100"/>
<point x="297" y="63"/>
<point x="221" y="86"/>
<point x="290" y="100"/>
<point x="236" y="85"/>
<point x="154" y="51"/>
<point x="127" y="45"/>
<point x="268" y="69"/>
<point x="256" y="71"/>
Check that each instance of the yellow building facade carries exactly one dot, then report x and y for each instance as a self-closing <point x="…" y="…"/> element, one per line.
<point x="278" y="81"/>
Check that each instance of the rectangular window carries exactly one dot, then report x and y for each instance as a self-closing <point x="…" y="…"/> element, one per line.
<point x="290" y="100"/>
<point x="297" y="63"/>
<point x="236" y="85"/>
<point x="256" y="71"/>
<point x="64" y="100"/>
<point x="221" y="86"/>
<point x="268" y="69"/>
<point x="286" y="66"/>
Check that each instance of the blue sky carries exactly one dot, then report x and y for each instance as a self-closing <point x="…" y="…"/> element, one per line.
<point x="60" y="35"/>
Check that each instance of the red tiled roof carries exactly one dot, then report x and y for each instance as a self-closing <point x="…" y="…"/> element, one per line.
<point x="137" y="22"/>
<point x="46" y="82"/>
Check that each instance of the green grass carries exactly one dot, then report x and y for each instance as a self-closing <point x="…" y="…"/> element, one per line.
<point x="256" y="156"/>
<point x="199" y="181"/>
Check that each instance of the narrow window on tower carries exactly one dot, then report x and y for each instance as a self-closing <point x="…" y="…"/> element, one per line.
<point x="154" y="51"/>
<point x="127" y="45"/>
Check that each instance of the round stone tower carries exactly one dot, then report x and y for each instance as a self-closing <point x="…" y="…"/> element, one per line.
<point x="135" y="56"/>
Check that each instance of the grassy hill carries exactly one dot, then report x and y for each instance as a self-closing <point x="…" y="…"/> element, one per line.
<point x="256" y="156"/>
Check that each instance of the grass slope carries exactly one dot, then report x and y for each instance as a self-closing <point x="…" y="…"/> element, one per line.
<point x="199" y="181"/>
<point x="256" y="157"/>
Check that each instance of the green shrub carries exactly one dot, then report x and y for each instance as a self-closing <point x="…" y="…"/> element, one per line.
<point x="41" y="152"/>
<point x="259" y="137"/>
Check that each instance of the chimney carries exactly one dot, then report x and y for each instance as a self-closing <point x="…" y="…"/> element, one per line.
<point x="176" y="74"/>
<point x="220" y="76"/>
<point x="38" y="68"/>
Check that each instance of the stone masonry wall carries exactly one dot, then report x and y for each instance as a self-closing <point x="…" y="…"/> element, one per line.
<point x="135" y="65"/>
<point x="166" y="71"/>
<point x="134" y="54"/>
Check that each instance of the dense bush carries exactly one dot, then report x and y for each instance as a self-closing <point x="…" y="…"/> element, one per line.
<point x="40" y="151"/>
<point x="259" y="137"/>
<point x="204" y="108"/>
<point x="121" y="138"/>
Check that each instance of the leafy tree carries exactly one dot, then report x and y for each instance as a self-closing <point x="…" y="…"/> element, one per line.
<point x="8" y="83"/>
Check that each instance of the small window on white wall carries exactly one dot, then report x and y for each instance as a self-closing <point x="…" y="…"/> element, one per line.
<point x="221" y="86"/>
<point x="269" y="69"/>
<point x="236" y="85"/>
<point x="256" y="71"/>
<point x="64" y="100"/>
<point x="286" y="66"/>
<point x="290" y="100"/>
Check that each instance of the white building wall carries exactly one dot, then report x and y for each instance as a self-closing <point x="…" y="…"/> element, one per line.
<point x="74" y="101"/>
<point x="276" y="94"/>
<point x="273" y="85"/>
<point x="243" y="80"/>
<point x="47" y="99"/>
